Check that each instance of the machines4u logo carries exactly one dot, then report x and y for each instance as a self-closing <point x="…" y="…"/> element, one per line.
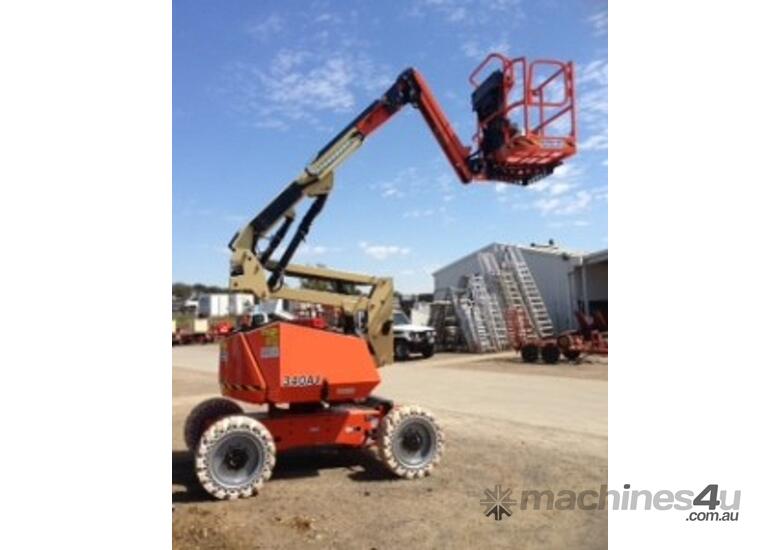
<point x="498" y="503"/>
<point x="707" y="504"/>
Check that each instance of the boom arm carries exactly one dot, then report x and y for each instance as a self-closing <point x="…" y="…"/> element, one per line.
<point x="513" y="156"/>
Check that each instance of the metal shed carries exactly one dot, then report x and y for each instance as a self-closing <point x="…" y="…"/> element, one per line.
<point x="558" y="274"/>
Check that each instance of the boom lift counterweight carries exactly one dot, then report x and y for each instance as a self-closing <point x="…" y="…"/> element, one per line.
<point x="317" y="384"/>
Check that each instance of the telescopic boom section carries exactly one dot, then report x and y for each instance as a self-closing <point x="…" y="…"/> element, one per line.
<point x="410" y="87"/>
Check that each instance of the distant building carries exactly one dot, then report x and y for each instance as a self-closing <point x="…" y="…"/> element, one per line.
<point x="213" y="305"/>
<point x="223" y="304"/>
<point x="567" y="280"/>
<point x="186" y="307"/>
<point x="589" y="283"/>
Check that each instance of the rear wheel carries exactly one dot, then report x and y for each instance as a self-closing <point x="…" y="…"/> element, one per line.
<point x="551" y="353"/>
<point x="411" y="442"/>
<point x="530" y="353"/>
<point x="567" y="344"/>
<point x="235" y="456"/>
<point x="204" y="415"/>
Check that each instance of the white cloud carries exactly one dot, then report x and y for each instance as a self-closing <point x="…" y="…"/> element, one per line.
<point x="595" y="142"/>
<point x="561" y="194"/>
<point x="330" y="18"/>
<point x="596" y="71"/>
<point x="302" y="84"/>
<point x="545" y="206"/>
<point x="306" y="250"/>
<point x="575" y="204"/>
<point x="468" y="13"/>
<point x="561" y="187"/>
<point x="407" y="182"/>
<point x="477" y="49"/>
<point x="599" y="21"/>
<point x="566" y="205"/>
<point x="457" y="14"/>
<point x="383" y="251"/>
<point x="561" y="224"/>
<point x="592" y="105"/>
<point x="419" y="213"/>
<point x="390" y="190"/>
<point x="269" y="26"/>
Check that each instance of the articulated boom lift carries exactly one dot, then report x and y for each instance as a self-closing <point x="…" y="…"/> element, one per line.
<point x="317" y="384"/>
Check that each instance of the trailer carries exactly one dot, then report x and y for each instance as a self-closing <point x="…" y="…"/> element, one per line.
<point x="588" y="340"/>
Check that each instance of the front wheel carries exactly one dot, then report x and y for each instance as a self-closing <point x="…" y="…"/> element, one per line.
<point x="235" y="456"/>
<point x="411" y="442"/>
<point x="428" y="351"/>
<point x="401" y="350"/>
<point x="530" y="353"/>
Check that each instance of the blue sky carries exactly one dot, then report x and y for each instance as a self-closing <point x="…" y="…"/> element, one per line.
<point x="260" y="87"/>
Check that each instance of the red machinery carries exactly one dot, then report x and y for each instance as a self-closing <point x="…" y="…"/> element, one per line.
<point x="205" y="334"/>
<point x="590" y="339"/>
<point x="526" y="340"/>
<point x="317" y="385"/>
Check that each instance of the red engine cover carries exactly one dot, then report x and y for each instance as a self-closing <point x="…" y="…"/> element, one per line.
<point x="288" y="363"/>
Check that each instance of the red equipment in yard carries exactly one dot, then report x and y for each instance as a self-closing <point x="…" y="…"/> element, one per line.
<point x="317" y="384"/>
<point x="572" y="344"/>
<point x="222" y="329"/>
<point x="205" y="334"/>
<point x="526" y="340"/>
<point x="590" y="339"/>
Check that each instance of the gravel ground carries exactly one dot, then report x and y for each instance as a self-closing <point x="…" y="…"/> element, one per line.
<point x="521" y="426"/>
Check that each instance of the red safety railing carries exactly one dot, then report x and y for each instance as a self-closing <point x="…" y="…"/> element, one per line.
<point x="541" y="125"/>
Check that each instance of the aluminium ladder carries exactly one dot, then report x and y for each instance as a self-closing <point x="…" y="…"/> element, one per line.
<point x="530" y="292"/>
<point x="487" y="303"/>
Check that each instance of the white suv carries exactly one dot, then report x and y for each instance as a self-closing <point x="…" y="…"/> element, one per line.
<point x="409" y="338"/>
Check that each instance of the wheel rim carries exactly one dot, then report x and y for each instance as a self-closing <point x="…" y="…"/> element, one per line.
<point x="414" y="445"/>
<point x="236" y="460"/>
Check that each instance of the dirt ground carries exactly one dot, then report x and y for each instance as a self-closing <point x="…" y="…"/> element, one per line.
<point x="520" y="426"/>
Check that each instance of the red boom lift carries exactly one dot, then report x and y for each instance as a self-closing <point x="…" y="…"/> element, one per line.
<point x="317" y="384"/>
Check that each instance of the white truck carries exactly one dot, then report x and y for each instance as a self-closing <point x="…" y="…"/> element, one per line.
<point x="409" y="338"/>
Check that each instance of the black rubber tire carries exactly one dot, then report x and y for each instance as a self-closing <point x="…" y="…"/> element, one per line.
<point x="204" y="415"/>
<point x="564" y="342"/>
<point x="530" y="353"/>
<point x="428" y="351"/>
<point x="401" y="350"/>
<point x="217" y="475"/>
<point x="571" y="354"/>
<point x="392" y="429"/>
<point x="551" y="353"/>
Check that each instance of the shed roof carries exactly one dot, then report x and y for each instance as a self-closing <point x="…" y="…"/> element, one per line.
<point x="537" y="248"/>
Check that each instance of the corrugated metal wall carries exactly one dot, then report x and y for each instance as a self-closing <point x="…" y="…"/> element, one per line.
<point x="551" y="273"/>
<point x="450" y="276"/>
